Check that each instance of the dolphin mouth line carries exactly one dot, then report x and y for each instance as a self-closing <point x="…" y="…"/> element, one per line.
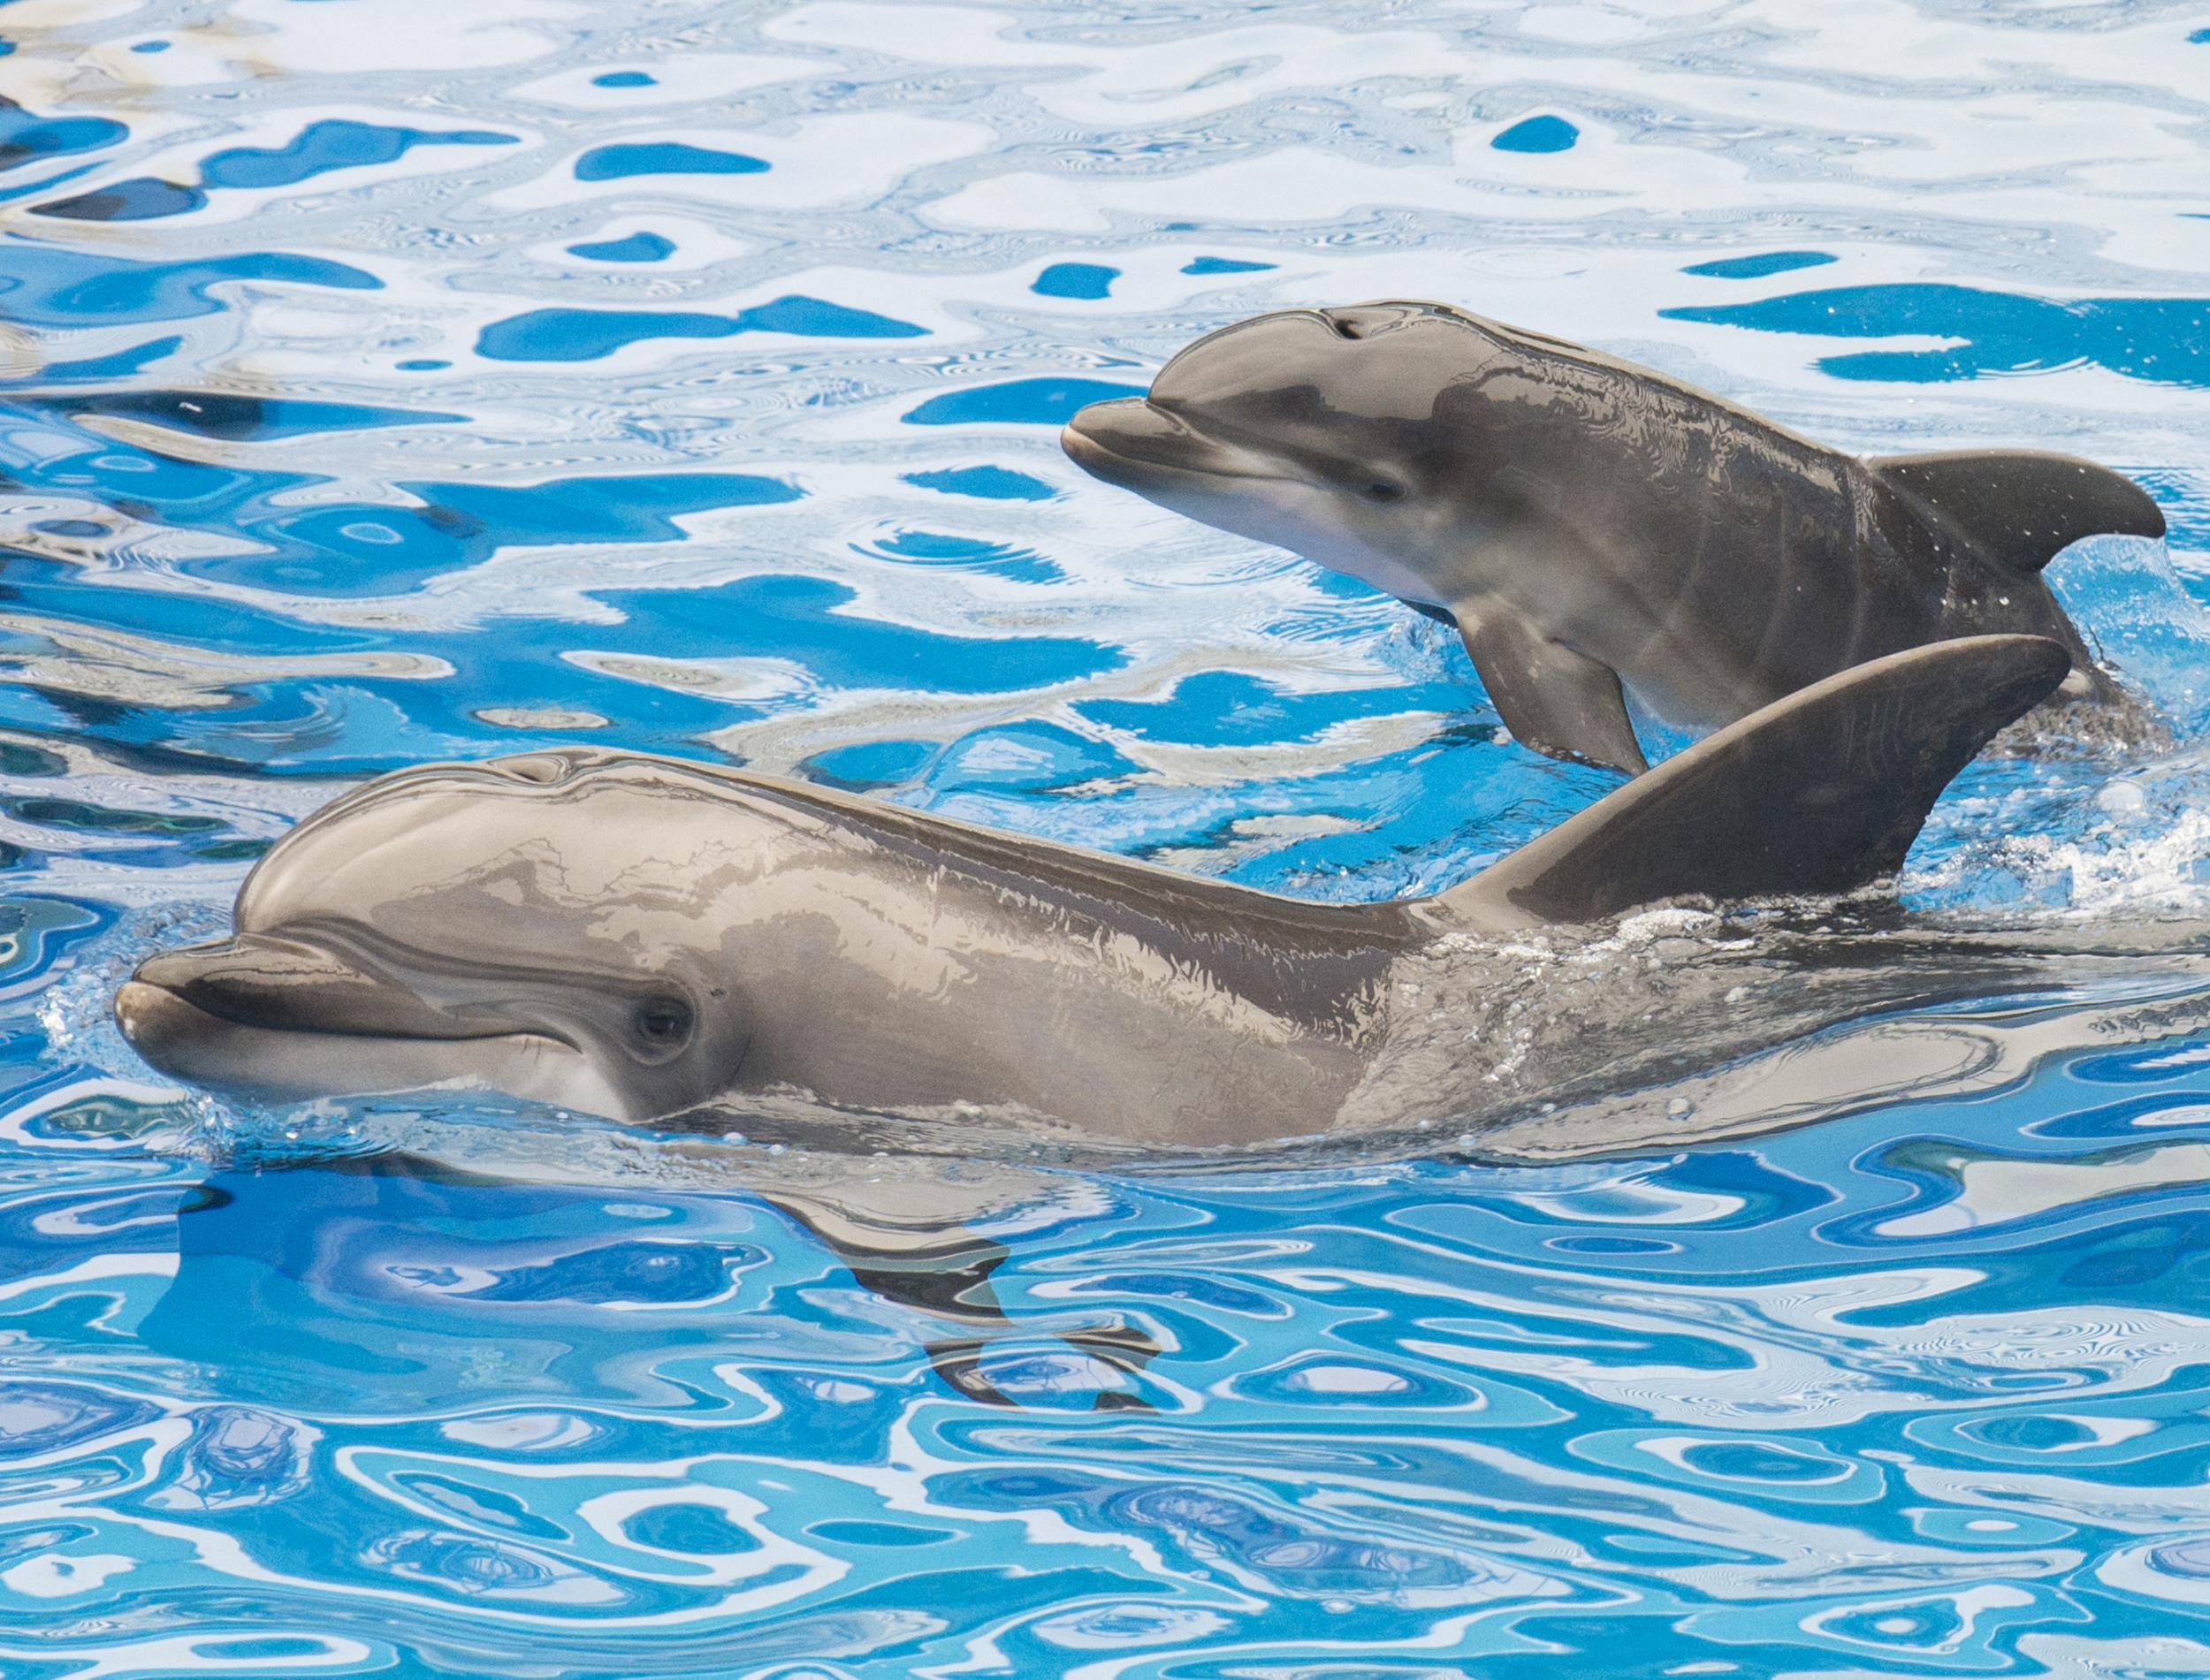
<point x="1098" y="446"/>
<point x="173" y="999"/>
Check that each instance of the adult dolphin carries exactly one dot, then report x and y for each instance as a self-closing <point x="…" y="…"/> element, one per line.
<point x="1587" y="522"/>
<point x="636" y="936"/>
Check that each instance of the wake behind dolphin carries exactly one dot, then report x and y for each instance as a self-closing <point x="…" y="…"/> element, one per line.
<point x="639" y="937"/>
<point x="1589" y="523"/>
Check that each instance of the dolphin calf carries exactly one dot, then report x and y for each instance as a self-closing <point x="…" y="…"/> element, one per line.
<point x="639" y="937"/>
<point x="1588" y="523"/>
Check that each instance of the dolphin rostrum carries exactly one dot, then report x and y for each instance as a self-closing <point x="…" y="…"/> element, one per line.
<point x="1587" y="522"/>
<point x="638" y="937"/>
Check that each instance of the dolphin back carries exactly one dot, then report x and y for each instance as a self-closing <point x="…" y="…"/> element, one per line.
<point x="1820" y="792"/>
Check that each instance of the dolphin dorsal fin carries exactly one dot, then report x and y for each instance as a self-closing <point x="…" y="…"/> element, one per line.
<point x="2023" y="506"/>
<point x="1819" y="793"/>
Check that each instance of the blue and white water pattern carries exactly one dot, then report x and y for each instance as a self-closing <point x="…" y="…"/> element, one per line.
<point x="393" y="380"/>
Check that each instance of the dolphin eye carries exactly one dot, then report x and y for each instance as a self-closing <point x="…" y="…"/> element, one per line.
<point x="663" y="1022"/>
<point x="1384" y="489"/>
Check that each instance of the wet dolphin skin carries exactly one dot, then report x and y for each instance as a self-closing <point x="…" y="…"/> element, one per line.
<point x="635" y="936"/>
<point x="1588" y="523"/>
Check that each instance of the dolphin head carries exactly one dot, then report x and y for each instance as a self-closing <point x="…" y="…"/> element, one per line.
<point x="509" y="925"/>
<point x="1312" y="429"/>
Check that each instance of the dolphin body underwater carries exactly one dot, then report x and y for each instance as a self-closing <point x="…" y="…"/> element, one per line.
<point x="640" y="937"/>
<point x="1588" y="523"/>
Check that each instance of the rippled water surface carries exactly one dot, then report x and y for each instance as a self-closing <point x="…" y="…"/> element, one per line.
<point x="388" y="380"/>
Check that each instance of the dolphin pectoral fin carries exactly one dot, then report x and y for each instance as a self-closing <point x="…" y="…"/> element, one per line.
<point x="959" y="1362"/>
<point x="898" y="1254"/>
<point x="1124" y="1347"/>
<point x="1819" y="793"/>
<point x="2021" y="504"/>
<point x="1551" y="698"/>
<point x="944" y="1273"/>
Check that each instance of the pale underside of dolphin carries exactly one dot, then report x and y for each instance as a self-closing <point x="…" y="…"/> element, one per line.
<point x="1589" y="525"/>
<point x="639" y="937"/>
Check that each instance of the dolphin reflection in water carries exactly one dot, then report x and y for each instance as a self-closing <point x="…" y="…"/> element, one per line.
<point x="1588" y="523"/>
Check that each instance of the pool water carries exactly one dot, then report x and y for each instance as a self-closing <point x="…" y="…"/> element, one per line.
<point x="388" y="381"/>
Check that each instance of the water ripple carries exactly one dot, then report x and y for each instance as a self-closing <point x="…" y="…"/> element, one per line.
<point x="381" y="382"/>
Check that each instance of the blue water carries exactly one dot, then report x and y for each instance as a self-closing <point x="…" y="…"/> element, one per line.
<point x="386" y="381"/>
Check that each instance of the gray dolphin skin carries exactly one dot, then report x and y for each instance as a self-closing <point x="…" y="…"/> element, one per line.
<point x="639" y="937"/>
<point x="1589" y="523"/>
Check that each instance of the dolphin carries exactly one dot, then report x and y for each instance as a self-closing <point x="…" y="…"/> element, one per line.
<point x="1588" y="523"/>
<point x="638" y="937"/>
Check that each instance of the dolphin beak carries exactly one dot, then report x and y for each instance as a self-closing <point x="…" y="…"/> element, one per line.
<point x="1103" y="435"/>
<point x="1135" y="444"/>
<point x="254" y="1013"/>
<point x="288" y="985"/>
